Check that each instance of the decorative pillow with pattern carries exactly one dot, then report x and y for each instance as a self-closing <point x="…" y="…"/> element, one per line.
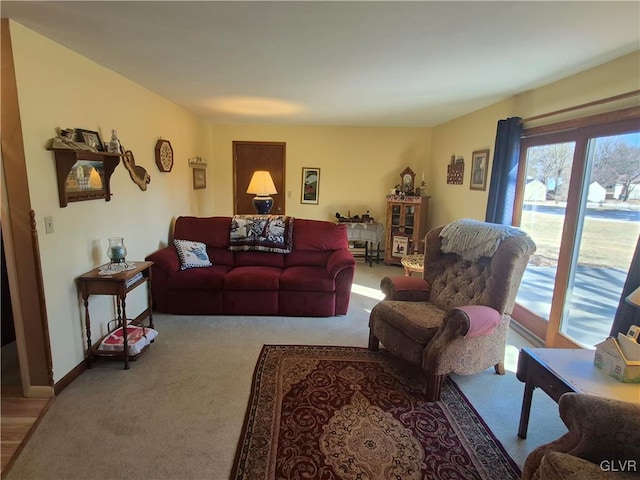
<point x="192" y="254"/>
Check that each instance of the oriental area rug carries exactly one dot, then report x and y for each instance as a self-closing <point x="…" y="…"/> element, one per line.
<point x="347" y="413"/>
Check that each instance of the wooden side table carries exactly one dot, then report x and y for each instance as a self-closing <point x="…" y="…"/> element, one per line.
<point x="560" y="370"/>
<point x="118" y="285"/>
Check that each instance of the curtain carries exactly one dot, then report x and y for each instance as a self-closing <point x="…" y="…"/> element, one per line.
<point x="504" y="172"/>
<point x="627" y="314"/>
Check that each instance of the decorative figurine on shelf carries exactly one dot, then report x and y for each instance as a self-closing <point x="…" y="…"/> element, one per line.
<point x="65" y="139"/>
<point x="114" y="144"/>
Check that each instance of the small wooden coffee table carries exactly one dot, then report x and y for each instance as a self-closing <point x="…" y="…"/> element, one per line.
<point x="559" y="370"/>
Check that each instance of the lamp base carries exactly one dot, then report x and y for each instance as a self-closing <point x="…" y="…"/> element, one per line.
<point x="263" y="205"/>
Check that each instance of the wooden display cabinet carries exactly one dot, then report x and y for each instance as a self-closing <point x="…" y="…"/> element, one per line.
<point x="406" y="226"/>
<point x="84" y="175"/>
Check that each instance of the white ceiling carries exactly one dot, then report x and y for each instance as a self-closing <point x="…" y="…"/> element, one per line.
<point x="361" y="63"/>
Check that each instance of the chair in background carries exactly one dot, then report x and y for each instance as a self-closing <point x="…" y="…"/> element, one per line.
<point x="603" y="441"/>
<point x="455" y="318"/>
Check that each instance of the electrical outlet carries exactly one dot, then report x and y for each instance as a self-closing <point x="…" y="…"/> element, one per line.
<point x="48" y="225"/>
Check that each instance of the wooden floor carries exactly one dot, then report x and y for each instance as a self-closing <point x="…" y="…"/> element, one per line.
<point x="20" y="415"/>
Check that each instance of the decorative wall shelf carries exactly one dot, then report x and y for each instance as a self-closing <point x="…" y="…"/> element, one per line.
<point x="455" y="174"/>
<point x="84" y="175"/>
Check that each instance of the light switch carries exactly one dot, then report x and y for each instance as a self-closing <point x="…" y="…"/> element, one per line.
<point x="48" y="225"/>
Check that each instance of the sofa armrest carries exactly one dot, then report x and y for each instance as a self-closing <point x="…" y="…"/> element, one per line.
<point x="339" y="260"/>
<point x="166" y="259"/>
<point x="405" y="289"/>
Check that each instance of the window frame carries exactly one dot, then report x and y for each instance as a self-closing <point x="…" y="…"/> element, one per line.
<point x="578" y="131"/>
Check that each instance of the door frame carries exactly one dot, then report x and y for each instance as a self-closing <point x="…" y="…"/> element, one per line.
<point x="21" y="241"/>
<point x="282" y="174"/>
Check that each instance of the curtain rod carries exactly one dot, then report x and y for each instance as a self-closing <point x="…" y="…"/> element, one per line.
<point x="584" y="105"/>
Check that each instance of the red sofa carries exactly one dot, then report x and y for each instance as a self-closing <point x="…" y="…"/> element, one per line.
<point x="313" y="280"/>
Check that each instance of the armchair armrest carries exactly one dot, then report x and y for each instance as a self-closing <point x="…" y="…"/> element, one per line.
<point x="405" y="289"/>
<point x="607" y="429"/>
<point x="600" y="429"/>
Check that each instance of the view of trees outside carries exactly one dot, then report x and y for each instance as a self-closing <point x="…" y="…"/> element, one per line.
<point x="609" y="230"/>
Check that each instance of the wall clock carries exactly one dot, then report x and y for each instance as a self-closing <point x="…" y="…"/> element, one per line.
<point x="164" y="155"/>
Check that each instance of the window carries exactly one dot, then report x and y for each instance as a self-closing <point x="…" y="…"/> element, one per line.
<point x="579" y="199"/>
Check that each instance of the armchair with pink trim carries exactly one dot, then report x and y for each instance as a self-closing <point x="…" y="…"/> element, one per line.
<point x="455" y="318"/>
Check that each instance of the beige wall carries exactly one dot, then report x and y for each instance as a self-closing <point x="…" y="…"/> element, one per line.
<point x="59" y="88"/>
<point x="477" y="130"/>
<point x="358" y="166"/>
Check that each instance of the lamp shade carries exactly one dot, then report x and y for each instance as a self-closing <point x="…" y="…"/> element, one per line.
<point x="261" y="183"/>
<point x="634" y="297"/>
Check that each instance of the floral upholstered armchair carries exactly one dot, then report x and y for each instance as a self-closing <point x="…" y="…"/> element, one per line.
<point x="603" y="441"/>
<point x="455" y="318"/>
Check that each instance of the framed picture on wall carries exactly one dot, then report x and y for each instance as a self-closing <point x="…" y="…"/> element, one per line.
<point x="479" y="164"/>
<point x="199" y="178"/>
<point x="89" y="137"/>
<point x="310" y="185"/>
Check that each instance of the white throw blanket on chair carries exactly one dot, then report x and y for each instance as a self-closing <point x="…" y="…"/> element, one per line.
<point x="472" y="239"/>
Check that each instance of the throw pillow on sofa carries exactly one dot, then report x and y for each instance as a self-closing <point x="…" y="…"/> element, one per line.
<point x="192" y="254"/>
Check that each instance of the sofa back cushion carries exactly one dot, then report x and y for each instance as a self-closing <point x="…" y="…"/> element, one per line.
<point x="213" y="231"/>
<point x="221" y="256"/>
<point x="317" y="258"/>
<point x="259" y="259"/>
<point x="319" y="235"/>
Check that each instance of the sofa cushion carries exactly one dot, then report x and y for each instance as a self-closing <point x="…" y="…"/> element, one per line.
<point x="317" y="258"/>
<point x="309" y="278"/>
<point x="221" y="256"/>
<point x="259" y="259"/>
<point x="214" y="231"/>
<point x="192" y="254"/>
<point x="319" y="235"/>
<point x="199" y="278"/>
<point x="253" y="278"/>
<point x="418" y="320"/>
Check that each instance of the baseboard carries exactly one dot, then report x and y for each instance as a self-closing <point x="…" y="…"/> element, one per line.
<point x="65" y="381"/>
<point x="39" y="391"/>
<point x="529" y="336"/>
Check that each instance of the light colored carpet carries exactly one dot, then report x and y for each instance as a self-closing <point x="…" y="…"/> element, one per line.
<point x="178" y="412"/>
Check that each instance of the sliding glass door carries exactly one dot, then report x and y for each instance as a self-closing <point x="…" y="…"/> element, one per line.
<point x="579" y="199"/>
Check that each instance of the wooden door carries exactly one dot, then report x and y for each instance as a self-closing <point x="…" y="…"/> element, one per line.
<point x="249" y="157"/>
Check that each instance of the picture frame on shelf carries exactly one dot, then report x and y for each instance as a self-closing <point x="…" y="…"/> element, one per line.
<point x="310" y="186"/>
<point x="479" y="166"/>
<point x="199" y="178"/>
<point x="400" y="246"/>
<point x="90" y="137"/>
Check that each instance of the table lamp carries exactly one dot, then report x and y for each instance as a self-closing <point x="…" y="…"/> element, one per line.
<point x="261" y="185"/>
<point x="634" y="297"/>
